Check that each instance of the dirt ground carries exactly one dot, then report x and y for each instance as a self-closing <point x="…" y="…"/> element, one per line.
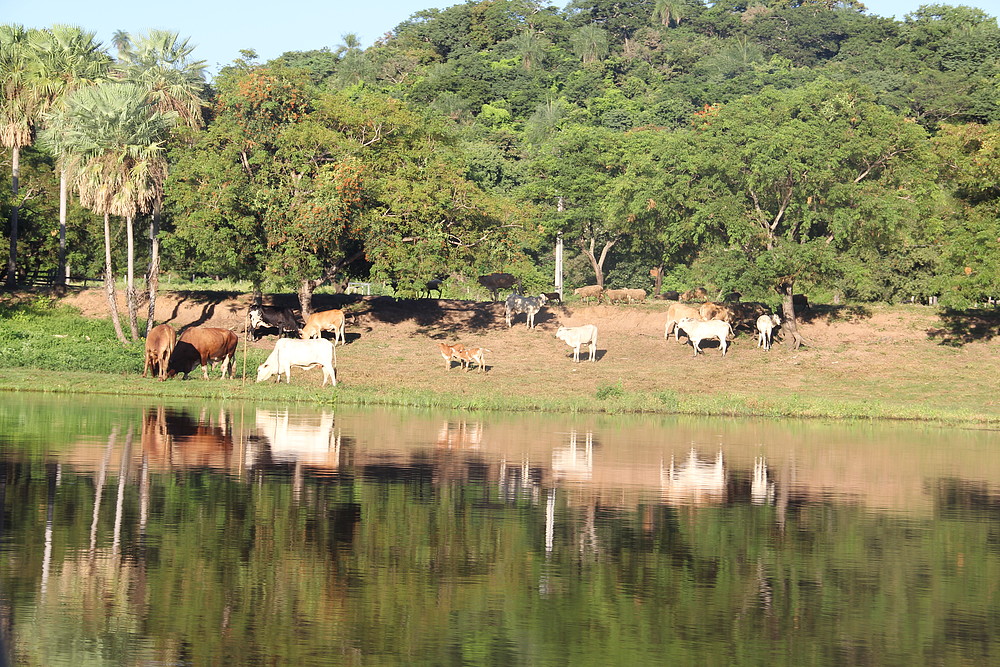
<point x="896" y="354"/>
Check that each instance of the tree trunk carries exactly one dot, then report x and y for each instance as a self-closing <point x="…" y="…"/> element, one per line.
<point x="61" y="274"/>
<point x="789" y="323"/>
<point x="153" y="278"/>
<point x="306" y="289"/>
<point x="657" y="279"/>
<point x="109" y="282"/>
<point x="130" y="296"/>
<point x="15" y="159"/>
<point x="597" y="263"/>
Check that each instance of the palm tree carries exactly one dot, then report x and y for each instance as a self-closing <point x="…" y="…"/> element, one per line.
<point x="110" y="139"/>
<point x="589" y="43"/>
<point x="160" y="63"/>
<point x="669" y="10"/>
<point x="530" y="46"/>
<point x="65" y="58"/>
<point x="20" y="106"/>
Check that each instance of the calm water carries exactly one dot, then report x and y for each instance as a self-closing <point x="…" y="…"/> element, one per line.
<point x="164" y="534"/>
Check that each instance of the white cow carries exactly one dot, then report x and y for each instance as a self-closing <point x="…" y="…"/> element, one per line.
<point x="698" y="331"/>
<point x="765" y="330"/>
<point x="578" y="336"/>
<point x="303" y="354"/>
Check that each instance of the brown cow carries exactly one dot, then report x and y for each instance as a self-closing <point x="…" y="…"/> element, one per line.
<point x="326" y="320"/>
<point x="495" y="282"/>
<point x="473" y="355"/>
<point x="159" y="346"/>
<point x="675" y="313"/>
<point x="710" y="310"/>
<point x="696" y="294"/>
<point x="201" y="346"/>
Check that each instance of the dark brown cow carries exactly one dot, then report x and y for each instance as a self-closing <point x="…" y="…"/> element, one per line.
<point x="159" y="346"/>
<point x="495" y="282"/>
<point x="201" y="346"/>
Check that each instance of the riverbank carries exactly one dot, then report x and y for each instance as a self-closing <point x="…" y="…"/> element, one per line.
<point x="870" y="362"/>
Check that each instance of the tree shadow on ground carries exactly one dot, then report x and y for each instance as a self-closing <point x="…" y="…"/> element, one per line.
<point x="960" y="327"/>
<point x="209" y="301"/>
<point x="831" y="314"/>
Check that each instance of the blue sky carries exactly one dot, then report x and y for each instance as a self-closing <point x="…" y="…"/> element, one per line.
<point x="221" y="28"/>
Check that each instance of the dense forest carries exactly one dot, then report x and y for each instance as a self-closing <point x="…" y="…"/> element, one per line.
<point x="787" y="145"/>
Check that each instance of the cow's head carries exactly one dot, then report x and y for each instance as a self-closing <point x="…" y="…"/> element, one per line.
<point x="264" y="371"/>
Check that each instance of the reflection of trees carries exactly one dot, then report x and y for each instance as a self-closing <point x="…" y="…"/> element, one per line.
<point x="453" y="556"/>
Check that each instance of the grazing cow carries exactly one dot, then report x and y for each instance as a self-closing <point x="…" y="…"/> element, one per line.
<point x="698" y="331"/>
<point x="326" y="320"/>
<point x="450" y="353"/>
<point x="201" y="346"/>
<point x="575" y="337"/>
<point x="473" y="355"/>
<point x="159" y="346"/>
<point x="529" y="305"/>
<point x="696" y="294"/>
<point x="495" y="282"/>
<point x="271" y="317"/>
<point x="305" y="354"/>
<point x="732" y="297"/>
<point x="671" y="295"/>
<point x="553" y="297"/>
<point x="675" y="313"/>
<point x="765" y="330"/>
<point x="588" y="292"/>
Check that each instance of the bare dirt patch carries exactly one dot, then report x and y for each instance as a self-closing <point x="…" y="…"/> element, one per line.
<point x="898" y="355"/>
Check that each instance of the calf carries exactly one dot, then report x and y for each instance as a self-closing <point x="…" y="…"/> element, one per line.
<point x="159" y="346"/>
<point x="326" y="320"/>
<point x="470" y="355"/>
<point x="529" y="305"/>
<point x="698" y="331"/>
<point x="201" y="346"/>
<point x="576" y="337"/>
<point x="305" y="354"/>
<point x="765" y="330"/>
<point x="450" y="353"/>
<point x="271" y="317"/>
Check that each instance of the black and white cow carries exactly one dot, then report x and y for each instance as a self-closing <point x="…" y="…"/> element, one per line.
<point x="263" y="318"/>
<point x="529" y="305"/>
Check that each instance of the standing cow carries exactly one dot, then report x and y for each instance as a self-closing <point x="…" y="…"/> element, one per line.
<point x="576" y="337"/>
<point x="201" y="346"/>
<point x="305" y="354"/>
<point x="159" y="346"/>
<point x="326" y="320"/>
<point x="283" y="320"/>
<point x="495" y="282"/>
<point x="529" y="305"/>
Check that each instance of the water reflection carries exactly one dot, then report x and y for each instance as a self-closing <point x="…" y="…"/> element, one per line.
<point x="274" y="535"/>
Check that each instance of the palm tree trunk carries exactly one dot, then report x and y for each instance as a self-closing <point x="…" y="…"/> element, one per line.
<point x="15" y="159"/>
<point x="130" y="302"/>
<point x="109" y="282"/>
<point x="153" y="281"/>
<point x="61" y="274"/>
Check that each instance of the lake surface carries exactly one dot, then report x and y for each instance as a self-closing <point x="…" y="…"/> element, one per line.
<point x="139" y="533"/>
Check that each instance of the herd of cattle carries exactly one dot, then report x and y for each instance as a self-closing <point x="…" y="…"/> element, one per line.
<point x="303" y="346"/>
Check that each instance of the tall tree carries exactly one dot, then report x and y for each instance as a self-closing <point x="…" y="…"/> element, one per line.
<point x="65" y="59"/>
<point x="111" y="140"/>
<point x="20" y="107"/>
<point x="590" y="43"/>
<point x="161" y="64"/>
<point x="799" y="176"/>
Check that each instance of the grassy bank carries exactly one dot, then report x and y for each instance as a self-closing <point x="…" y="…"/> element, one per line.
<point x="49" y="347"/>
